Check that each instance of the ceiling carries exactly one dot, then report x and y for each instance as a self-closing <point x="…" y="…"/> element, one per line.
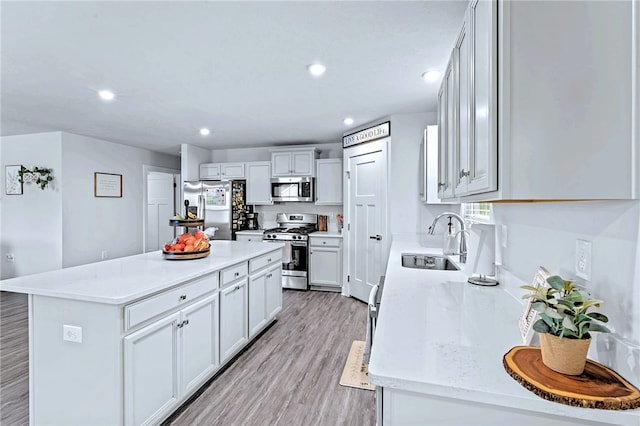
<point x="238" y="68"/>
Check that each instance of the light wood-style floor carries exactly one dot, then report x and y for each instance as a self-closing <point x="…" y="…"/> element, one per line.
<point x="291" y="374"/>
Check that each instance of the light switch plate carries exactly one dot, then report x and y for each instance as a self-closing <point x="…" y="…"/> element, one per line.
<point x="583" y="259"/>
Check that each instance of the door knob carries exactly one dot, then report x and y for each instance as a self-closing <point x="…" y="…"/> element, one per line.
<point x="376" y="237"/>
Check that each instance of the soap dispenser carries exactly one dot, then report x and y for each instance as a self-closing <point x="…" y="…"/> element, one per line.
<point x="449" y="244"/>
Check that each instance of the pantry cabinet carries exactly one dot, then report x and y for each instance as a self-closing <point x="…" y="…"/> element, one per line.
<point x="535" y="121"/>
<point x="258" y="175"/>
<point x="293" y="162"/>
<point x="329" y="181"/>
<point x="325" y="263"/>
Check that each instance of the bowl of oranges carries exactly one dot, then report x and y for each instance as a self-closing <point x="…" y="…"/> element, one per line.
<point x="187" y="246"/>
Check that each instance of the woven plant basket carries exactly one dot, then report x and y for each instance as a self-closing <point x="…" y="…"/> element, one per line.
<point x="566" y="356"/>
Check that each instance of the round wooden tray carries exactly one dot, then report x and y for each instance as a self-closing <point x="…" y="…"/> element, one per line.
<point x="597" y="387"/>
<point x="180" y="255"/>
<point x="188" y="223"/>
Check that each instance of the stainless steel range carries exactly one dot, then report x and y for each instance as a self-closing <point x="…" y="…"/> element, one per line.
<point x="293" y="230"/>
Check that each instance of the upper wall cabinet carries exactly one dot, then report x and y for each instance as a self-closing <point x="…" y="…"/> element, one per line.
<point x="222" y="171"/>
<point x="293" y="162"/>
<point x="258" y="182"/>
<point x="544" y="103"/>
<point x="329" y="181"/>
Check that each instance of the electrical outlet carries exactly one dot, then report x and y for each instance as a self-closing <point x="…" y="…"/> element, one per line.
<point x="583" y="259"/>
<point x="72" y="333"/>
<point x="504" y="234"/>
<point x="10" y="257"/>
<point x="104" y="254"/>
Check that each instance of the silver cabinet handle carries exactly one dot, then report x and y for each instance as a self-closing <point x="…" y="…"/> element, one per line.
<point x="182" y="324"/>
<point x="441" y="184"/>
<point x="182" y="297"/>
<point x="463" y="173"/>
<point x="376" y="237"/>
<point x="237" y="274"/>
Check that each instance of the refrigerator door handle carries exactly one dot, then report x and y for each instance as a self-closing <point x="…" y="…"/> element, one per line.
<point x="201" y="212"/>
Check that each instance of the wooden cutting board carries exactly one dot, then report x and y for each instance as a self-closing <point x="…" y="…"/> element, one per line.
<point x="597" y="387"/>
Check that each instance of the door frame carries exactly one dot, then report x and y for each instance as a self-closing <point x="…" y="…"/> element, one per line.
<point x="177" y="195"/>
<point x="356" y="151"/>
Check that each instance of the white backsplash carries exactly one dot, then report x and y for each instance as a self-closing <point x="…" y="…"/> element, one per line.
<point x="267" y="214"/>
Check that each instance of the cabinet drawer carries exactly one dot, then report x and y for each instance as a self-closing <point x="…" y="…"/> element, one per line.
<point x="265" y="260"/>
<point x="233" y="273"/>
<point x="324" y="242"/>
<point x="139" y="312"/>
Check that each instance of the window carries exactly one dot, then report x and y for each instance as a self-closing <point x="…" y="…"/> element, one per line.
<point x="477" y="212"/>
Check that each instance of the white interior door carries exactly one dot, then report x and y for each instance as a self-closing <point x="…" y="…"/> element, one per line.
<point x="160" y="208"/>
<point x="367" y="239"/>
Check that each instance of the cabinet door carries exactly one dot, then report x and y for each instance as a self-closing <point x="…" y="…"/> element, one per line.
<point x="325" y="266"/>
<point x="210" y="171"/>
<point x="274" y="291"/>
<point x="199" y="343"/>
<point x="257" y="302"/>
<point x="329" y="182"/>
<point x="303" y="163"/>
<point x="461" y="66"/>
<point x="259" y="183"/>
<point x="232" y="171"/>
<point x="446" y="147"/>
<point x="151" y="364"/>
<point x="483" y="139"/>
<point x="281" y="164"/>
<point x="233" y="318"/>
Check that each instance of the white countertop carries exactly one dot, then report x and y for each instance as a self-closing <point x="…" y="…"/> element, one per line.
<point x="438" y="335"/>
<point x="326" y="234"/>
<point x="251" y="232"/>
<point x="120" y="281"/>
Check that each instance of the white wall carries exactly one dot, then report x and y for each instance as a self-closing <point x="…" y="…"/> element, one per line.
<point x="93" y="224"/>
<point x="31" y="223"/>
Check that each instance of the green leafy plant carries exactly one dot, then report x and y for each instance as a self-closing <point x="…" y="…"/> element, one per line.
<point x="563" y="307"/>
<point x="41" y="176"/>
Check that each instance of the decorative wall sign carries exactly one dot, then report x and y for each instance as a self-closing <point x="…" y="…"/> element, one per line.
<point x="529" y="315"/>
<point x="107" y="185"/>
<point x="38" y="175"/>
<point x="12" y="183"/>
<point x="367" y="135"/>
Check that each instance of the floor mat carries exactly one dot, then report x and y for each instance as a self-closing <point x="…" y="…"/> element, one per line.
<point x="355" y="374"/>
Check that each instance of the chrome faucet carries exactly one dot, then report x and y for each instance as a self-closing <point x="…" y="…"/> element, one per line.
<point x="463" y="233"/>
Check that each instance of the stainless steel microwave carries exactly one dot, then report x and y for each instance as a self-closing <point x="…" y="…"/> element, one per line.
<point x="286" y="189"/>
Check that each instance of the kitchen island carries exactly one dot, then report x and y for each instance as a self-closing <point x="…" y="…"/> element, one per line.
<point x="437" y="354"/>
<point x="126" y="341"/>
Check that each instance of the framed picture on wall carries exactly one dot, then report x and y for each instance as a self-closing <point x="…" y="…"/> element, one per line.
<point x="529" y="316"/>
<point x="107" y="185"/>
<point x="12" y="183"/>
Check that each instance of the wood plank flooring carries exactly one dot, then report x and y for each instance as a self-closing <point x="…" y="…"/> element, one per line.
<point x="14" y="359"/>
<point x="291" y="374"/>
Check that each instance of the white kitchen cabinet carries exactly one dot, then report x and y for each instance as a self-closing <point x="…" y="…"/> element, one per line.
<point x="265" y="290"/>
<point x="233" y="311"/>
<point x="293" y="162"/>
<point x="255" y="237"/>
<point x="540" y="126"/>
<point x="447" y="131"/>
<point x="200" y="343"/>
<point x="329" y="181"/>
<point x="210" y="171"/>
<point x="183" y="344"/>
<point x="222" y="171"/>
<point x="151" y="360"/>
<point x="325" y="263"/>
<point x="462" y="102"/>
<point x="258" y="174"/>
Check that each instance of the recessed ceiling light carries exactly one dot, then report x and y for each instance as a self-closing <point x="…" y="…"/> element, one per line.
<point x="348" y="120"/>
<point x="106" y="95"/>
<point x="431" y="76"/>
<point x="204" y="131"/>
<point x="316" y="69"/>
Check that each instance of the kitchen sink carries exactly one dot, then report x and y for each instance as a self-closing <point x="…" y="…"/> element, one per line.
<point x="428" y="261"/>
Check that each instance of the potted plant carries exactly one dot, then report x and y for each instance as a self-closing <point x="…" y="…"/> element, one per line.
<point x="564" y="323"/>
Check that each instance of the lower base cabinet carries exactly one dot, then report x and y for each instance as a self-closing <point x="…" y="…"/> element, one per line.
<point x="265" y="298"/>
<point x="183" y="348"/>
<point x="233" y="318"/>
<point x="325" y="263"/>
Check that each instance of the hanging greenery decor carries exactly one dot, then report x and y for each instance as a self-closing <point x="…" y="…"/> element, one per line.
<point x="36" y="175"/>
